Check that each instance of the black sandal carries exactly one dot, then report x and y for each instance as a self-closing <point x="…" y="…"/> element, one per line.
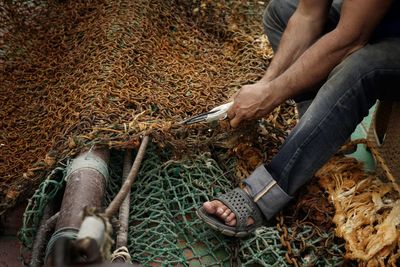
<point x="241" y="204"/>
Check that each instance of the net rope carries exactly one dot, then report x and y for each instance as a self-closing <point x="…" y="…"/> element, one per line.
<point x="78" y="73"/>
<point x="46" y="193"/>
<point x="367" y="212"/>
<point x="164" y="229"/>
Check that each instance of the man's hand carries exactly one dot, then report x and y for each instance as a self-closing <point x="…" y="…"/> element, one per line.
<point x="305" y="27"/>
<point x="284" y="78"/>
<point x="358" y="20"/>
<point x="252" y="102"/>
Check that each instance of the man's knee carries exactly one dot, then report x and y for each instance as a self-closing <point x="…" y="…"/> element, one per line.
<point x="276" y="16"/>
<point x="278" y="13"/>
<point x="372" y="71"/>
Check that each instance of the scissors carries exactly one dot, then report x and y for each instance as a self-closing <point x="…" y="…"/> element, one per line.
<point x="217" y="113"/>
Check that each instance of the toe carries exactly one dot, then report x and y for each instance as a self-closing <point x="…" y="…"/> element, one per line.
<point x="217" y="208"/>
<point x="221" y="210"/>
<point x="230" y="217"/>
<point x="226" y="213"/>
<point x="210" y="207"/>
<point x="250" y="221"/>
<point x="231" y="223"/>
<point x="214" y="207"/>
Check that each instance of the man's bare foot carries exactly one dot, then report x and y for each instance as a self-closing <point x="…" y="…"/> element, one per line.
<point x="217" y="208"/>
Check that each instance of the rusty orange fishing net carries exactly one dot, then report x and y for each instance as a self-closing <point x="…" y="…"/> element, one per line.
<point x="78" y="73"/>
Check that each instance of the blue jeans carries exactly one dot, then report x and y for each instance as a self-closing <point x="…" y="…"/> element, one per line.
<point x="330" y="113"/>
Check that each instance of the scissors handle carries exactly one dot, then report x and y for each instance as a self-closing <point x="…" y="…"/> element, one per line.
<point x="219" y="113"/>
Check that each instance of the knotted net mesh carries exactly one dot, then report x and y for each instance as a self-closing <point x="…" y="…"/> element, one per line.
<point x="164" y="230"/>
<point x="78" y="73"/>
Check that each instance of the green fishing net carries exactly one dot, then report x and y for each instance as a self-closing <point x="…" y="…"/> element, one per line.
<point x="79" y="73"/>
<point x="164" y="229"/>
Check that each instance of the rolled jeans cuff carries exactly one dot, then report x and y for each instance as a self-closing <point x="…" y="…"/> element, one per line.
<point x="265" y="192"/>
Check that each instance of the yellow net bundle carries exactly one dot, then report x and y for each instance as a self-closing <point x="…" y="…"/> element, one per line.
<point x="367" y="212"/>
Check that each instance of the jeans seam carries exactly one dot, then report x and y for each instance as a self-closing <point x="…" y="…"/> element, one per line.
<point x="329" y="113"/>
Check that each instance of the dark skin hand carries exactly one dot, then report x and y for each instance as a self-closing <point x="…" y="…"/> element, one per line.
<point x="297" y="65"/>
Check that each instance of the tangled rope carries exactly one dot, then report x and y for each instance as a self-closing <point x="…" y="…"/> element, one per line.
<point x="121" y="253"/>
<point x="78" y="73"/>
<point x="367" y="212"/>
<point x="163" y="227"/>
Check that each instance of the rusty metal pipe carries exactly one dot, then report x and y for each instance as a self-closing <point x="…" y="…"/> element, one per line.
<point x="86" y="179"/>
<point x="85" y="187"/>
<point x="92" y="243"/>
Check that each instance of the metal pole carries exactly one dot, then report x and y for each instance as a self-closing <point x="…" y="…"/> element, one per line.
<point x="122" y="237"/>
<point x="47" y="225"/>
<point x="119" y="198"/>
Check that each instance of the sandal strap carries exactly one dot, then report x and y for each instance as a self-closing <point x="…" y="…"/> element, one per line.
<point x="240" y="203"/>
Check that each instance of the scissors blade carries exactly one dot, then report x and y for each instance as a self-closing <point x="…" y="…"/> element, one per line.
<point x="198" y="118"/>
<point x="217" y="113"/>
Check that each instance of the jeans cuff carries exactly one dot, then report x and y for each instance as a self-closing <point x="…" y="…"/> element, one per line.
<point x="265" y="192"/>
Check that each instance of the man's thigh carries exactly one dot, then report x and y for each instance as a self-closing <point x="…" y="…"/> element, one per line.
<point x="340" y="104"/>
<point x="376" y="65"/>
